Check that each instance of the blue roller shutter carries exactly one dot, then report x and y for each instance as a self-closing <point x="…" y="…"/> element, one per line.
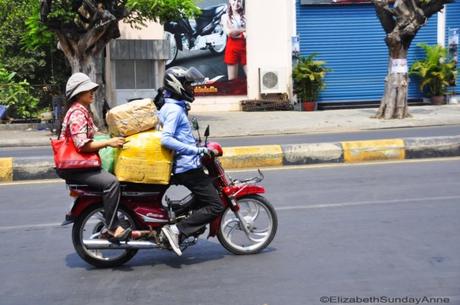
<point x="351" y="40"/>
<point x="453" y="21"/>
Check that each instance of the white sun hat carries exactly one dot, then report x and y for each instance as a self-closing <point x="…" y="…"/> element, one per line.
<point x="78" y="83"/>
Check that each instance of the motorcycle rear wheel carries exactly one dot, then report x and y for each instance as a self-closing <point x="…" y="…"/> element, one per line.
<point x="260" y="215"/>
<point x="173" y="49"/>
<point x="89" y="226"/>
<point x="219" y="46"/>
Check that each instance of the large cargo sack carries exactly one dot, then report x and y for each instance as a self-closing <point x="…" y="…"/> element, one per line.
<point x="132" y="117"/>
<point x="143" y="160"/>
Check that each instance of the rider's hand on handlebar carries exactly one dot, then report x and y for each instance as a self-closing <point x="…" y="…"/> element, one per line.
<point x="204" y="151"/>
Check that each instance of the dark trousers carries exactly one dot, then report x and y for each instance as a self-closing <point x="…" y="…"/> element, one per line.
<point x="101" y="181"/>
<point x="208" y="202"/>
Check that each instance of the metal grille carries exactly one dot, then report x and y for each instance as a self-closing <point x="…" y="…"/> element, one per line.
<point x="351" y="40"/>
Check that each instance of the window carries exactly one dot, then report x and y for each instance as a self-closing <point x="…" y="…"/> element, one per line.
<point x="134" y="74"/>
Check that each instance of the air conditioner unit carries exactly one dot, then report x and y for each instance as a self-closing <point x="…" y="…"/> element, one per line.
<point x="272" y="80"/>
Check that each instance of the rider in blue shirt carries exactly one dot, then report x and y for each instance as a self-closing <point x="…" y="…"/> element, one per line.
<point x="177" y="135"/>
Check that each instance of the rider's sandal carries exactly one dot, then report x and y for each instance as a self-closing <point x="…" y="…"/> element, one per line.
<point x="123" y="236"/>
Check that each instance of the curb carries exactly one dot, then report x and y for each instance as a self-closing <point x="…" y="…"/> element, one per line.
<point x="12" y="169"/>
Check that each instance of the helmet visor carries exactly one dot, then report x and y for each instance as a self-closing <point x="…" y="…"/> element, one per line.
<point x="193" y="75"/>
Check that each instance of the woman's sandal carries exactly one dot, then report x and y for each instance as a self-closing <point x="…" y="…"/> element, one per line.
<point x="122" y="236"/>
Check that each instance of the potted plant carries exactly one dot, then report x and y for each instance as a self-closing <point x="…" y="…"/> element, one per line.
<point x="435" y="72"/>
<point x="308" y="77"/>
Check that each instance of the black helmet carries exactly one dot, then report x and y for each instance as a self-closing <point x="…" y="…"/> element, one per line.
<point x="178" y="81"/>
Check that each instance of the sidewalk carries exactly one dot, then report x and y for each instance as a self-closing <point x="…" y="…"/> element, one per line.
<point x="234" y="124"/>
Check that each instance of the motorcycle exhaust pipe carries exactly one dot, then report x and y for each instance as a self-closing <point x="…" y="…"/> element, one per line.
<point x="94" y="244"/>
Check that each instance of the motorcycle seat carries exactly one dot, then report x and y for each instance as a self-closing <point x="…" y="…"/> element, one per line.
<point x="141" y="187"/>
<point x="124" y="186"/>
<point x="209" y="11"/>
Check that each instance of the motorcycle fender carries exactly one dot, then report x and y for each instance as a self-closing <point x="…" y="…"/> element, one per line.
<point x="81" y="204"/>
<point x="241" y="191"/>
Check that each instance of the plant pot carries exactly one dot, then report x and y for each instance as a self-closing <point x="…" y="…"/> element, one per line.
<point x="438" y="100"/>
<point x="308" y="106"/>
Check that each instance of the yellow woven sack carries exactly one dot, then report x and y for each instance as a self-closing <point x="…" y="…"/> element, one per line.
<point x="143" y="160"/>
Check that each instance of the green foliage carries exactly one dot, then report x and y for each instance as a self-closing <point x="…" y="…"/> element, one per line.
<point x="17" y="94"/>
<point x="36" y="34"/>
<point x="38" y="62"/>
<point x="308" y="77"/>
<point x="159" y="10"/>
<point x="434" y="71"/>
<point x="13" y="54"/>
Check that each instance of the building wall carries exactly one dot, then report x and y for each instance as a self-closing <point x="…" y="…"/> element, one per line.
<point x="269" y="29"/>
<point x="151" y="32"/>
<point x="269" y="32"/>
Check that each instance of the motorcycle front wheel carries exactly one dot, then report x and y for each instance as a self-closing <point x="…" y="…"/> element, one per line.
<point x="89" y="226"/>
<point x="262" y="220"/>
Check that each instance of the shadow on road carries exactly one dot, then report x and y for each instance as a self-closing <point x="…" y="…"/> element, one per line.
<point x="204" y="251"/>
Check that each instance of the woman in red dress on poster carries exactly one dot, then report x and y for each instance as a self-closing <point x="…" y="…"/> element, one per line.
<point x="234" y="23"/>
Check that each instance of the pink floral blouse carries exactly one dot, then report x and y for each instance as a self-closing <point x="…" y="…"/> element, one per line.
<point x="78" y="124"/>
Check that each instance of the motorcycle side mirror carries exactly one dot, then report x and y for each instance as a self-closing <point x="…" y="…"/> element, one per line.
<point x="195" y="124"/>
<point x="206" y="132"/>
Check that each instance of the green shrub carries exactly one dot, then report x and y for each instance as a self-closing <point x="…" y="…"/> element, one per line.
<point x="17" y="95"/>
<point x="434" y="71"/>
<point x="308" y="77"/>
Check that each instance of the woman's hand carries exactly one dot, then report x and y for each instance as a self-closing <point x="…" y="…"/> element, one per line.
<point x="116" y="142"/>
<point x="94" y="146"/>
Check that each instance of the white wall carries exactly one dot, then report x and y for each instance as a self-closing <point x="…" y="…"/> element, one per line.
<point x="269" y="31"/>
<point x="152" y="30"/>
<point x="442" y="27"/>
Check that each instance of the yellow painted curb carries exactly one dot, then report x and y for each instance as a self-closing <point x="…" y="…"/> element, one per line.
<point x="6" y="169"/>
<point x="360" y="151"/>
<point x="252" y="156"/>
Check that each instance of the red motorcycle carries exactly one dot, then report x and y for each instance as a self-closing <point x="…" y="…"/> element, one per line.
<point x="247" y="225"/>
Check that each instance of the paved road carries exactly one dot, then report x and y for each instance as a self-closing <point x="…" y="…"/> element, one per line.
<point x="386" y="230"/>
<point x="282" y="139"/>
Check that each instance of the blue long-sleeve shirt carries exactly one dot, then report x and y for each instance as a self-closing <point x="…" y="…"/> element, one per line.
<point x="177" y="135"/>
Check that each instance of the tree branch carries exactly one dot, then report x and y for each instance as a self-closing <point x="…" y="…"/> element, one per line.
<point x="94" y="35"/>
<point x="385" y="15"/>
<point x="434" y="6"/>
<point x="65" y="45"/>
<point x="112" y="32"/>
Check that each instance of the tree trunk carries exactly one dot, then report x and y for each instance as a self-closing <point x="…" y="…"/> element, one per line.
<point x="394" y="102"/>
<point x="84" y="54"/>
<point x="401" y="21"/>
<point x="89" y="66"/>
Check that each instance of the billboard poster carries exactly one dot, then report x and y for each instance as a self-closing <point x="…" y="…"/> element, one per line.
<point x="330" y="2"/>
<point x="215" y="44"/>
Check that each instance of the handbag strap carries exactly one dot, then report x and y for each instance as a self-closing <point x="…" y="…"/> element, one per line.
<point x="67" y="123"/>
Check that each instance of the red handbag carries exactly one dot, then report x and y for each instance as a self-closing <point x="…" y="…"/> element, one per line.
<point x="66" y="156"/>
